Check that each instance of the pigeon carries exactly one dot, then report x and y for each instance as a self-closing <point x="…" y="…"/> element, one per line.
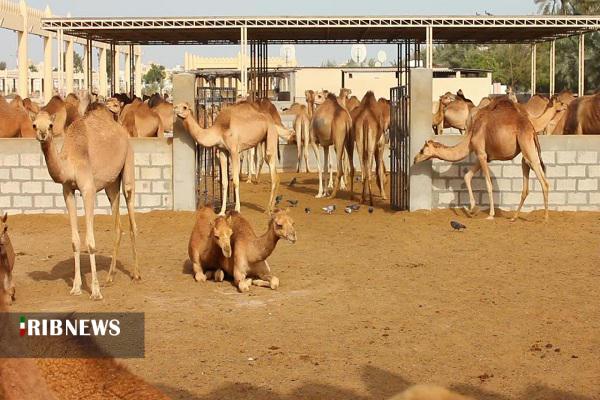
<point x="278" y="199"/>
<point x="329" y="209"/>
<point x="293" y="203"/>
<point x="348" y="210"/>
<point x="354" y="207"/>
<point x="292" y="182"/>
<point x="370" y="210"/>
<point x="307" y="210"/>
<point x="457" y="226"/>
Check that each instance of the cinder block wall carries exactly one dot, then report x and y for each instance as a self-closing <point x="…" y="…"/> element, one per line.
<point x="26" y="186"/>
<point x="573" y="170"/>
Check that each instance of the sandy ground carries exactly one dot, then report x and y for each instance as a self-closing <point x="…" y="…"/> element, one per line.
<point x="368" y="305"/>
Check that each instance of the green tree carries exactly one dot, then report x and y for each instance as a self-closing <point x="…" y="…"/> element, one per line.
<point x="329" y="63"/>
<point x="156" y="74"/>
<point x="33" y="68"/>
<point x="2" y="65"/>
<point x="77" y="62"/>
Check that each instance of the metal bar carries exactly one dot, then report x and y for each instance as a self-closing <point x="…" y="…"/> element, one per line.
<point x="131" y="71"/>
<point x="533" y="68"/>
<point x="552" y="67"/>
<point x="90" y="66"/>
<point x="581" y="71"/>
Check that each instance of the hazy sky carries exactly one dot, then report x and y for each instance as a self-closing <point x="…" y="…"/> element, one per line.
<point x="306" y="55"/>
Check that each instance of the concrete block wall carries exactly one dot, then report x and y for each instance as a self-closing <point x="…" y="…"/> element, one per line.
<point x="573" y="171"/>
<point x="26" y="186"/>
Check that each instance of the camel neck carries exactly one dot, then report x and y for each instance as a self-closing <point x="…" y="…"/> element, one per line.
<point x="53" y="161"/>
<point x="205" y="137"/>
<point x="540" y="123"/>
<point x="454" y="153"/>
<point x="264" y="245"/>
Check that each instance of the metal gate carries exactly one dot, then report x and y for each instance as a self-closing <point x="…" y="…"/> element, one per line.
<point x="400" y="125"/>
<point x="209" y="101"/>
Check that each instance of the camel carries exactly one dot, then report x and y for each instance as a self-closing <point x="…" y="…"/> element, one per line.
<point x="331" y="125"/>
<point x="344" y="96"/>
<point x="310" y="102"/>
<point x="367" y="132"/>
<point x="557" y="124"/>
<point x="352" y="103"/>
<point x="536" y="105"/>
<point x="583" y="116"/>
<point x="250" y="252"/>
<point x="14" y="121"/>
<point x="56" y="107"/>
<point x="453" y="112"/>
<point x="302" y="128"/>
<point x="72" y="104"/>
<point x="211" y="237"/>
<point x="7" y="262"/>
<point x="164" y="110"/>
<point x="96" y="155"/>
<point x="140" y="121"/>
<point x="237" y="128"/>
<point x="499" y="131"/>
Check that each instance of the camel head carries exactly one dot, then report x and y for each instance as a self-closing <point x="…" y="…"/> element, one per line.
<point x="183" y="110"/>
<point x="283" y="225"/>
<point x="345" y="92"/>
<point x="114" y="105"/>
<point x="43" y="124"/>
<point x="321" y="96"/>
<point x="221" y="230"/>
<point x="310" y="95"/>
<point x="447" y="98"/>
<point x="427" y="152"/>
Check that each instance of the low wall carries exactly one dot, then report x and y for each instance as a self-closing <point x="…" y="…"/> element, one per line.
<point x="26" y="186"/>
<point x="573" y="171"/>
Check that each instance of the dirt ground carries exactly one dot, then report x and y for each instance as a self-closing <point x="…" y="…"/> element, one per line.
<point x="368" y="304"/>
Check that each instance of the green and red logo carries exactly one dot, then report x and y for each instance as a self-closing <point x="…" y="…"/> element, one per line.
<point x="22" y="321"/>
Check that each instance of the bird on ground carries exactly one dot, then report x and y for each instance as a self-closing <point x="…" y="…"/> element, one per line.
<point x="457" y="226"/>
<point x="293" y="203"/>
<point x="329" y="209"/>
<point x="307" y="210"/>
<point x="354" y="207"/>
<point x="292" y="182"/>
<point x="370" y="210"/>
<point x="278" y="199"/>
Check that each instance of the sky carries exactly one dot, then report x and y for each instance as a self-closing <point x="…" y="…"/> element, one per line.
<point x="306" y="55"/>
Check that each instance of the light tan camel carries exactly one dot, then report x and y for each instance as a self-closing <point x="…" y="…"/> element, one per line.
<point x="583" y="116"/>
<point x="266" y="107"/>
<point x="57" y="108"/>
<point x="536" y="105"/>
<point x="140" y="121"/>
<point x="557" y="125"/>
<point x="455" y="111"/>
<point x="250" y="252"/>
<point x="554" y="107"/>
<point x="237" y="128"/>
<point x="7" y="263"/>
<point x="14" y="121"/>
<point x="72" y="104"/>
<point x="96" y="155"/>
<point x="302" y="132"/>
<point x="344" y="96"/>
<point x="310" y="102"/>
<point x="367" y="133"/>
<point x="210" y="239"/>
<point x="352" y="103"/>
<point x="499" y="131"/>
<point x="331" y="125"/>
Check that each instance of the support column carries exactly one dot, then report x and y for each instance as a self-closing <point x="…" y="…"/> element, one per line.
<point x="429" y="43"/>
<point x="117" y="70"/>
<point x="60" y="61"/>
<point x="138" y="73"/>
<point x="128" y="71"/>
<point x="48" y="81"/>
<point x="243" y="61"/>
<point x="552" y="67"/>
<point x="22" y="53"/>
<point x="69" y="66"/>
<point x="533" y="68"/>
<point x="102" y="75"/>
<point x="581" y="72"/>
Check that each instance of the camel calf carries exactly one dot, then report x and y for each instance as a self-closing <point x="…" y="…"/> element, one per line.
<point x="250" y="252"/>
<point x="209" y="241"/>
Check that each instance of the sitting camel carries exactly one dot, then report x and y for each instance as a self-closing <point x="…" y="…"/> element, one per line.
<point x="96" y="154"/>
<point x="237" y="128"/>
<point x="499" y="131"/>
<point x="209" y="240"/>
<point x="331" y="125"/>
<point x="7" y="262"/>
<point x="302" y="129"/>
<point x="14" y="121"/>
<point x="250" y="252"/>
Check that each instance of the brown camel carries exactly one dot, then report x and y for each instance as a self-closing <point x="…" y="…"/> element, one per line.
<point x="237" y="128"/>
<point x="554" y="108"/>
<point x="557" y="124"/>
<point x="140" y="121"/>
<point x="57" y="108"/>
<point x="536" y="105"/>
<point x="344" y="96"/>
<point x="302" y="132"/>
<point x="96" y="155"/>
<point x="250" y="252"/>
<point x="7" y="263"/>
<point x="310" y="102"/>
<point x="367" y="133"/>
<point x="14" y="121"/>
<point x="583" y="116"/>
<point x="331" y="125"/>
<point x="455" y="110"/>
<point x="352" y="103"/>
<point x="210" y="239"/>
<point x="499" y="131"/>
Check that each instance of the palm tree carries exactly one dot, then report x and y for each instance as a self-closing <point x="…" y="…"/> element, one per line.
<point x="565" y="7"/>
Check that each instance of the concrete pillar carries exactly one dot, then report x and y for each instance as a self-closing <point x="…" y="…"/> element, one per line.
<point x="22" y="53"/>
<point x="552" y="67"/>
<point x="184" y="148"/>
<point x="581" y="71"/>
<point x="102" y="75"/>
<point x="421" y="91"/>
<point x="127" y="71"/>
<point x="243" y="61"/>
<point x="429" y="43"/>
<point x="69" y="66"/>
<point x="48" y="81"/>
<point x="84" y="60"/>
<point x="138" y="73"/>
<point x="533" y="68"/>
<point x="117" y="71"/>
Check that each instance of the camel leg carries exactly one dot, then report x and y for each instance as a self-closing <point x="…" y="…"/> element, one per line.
<point x="271" y="158"/>
<point x="199" y="275"/>
<point x="468" y="178"/>
<point x="525" y="192"/>
<point x="265" y="279"/>
<point x="346" y="168"/>
<point x="369" y="161"/>
<point x="380" y="167"/>
<point x="250" y="155"/>
<point x="69" y="196"/>
<point x="488" y="182"/>
<point x="89" y="197"/>
<point x="327" y="168"/>
<point x="530" y="153"/>
<point x="319" y="169"/>
<point x="113" y="193"/>
<point x="235" y="167"/>
<point x="224" y="181"/>
<point x="306" y="143"/>
<point x="350" y="152"/>
<point x="260" y="161"/>
<point x="219" y="275"/>
<point x="298" y="129"/>
<point x="339" y="150"/>
<point x="239" y="277"/>
<point x="128" y="184"/>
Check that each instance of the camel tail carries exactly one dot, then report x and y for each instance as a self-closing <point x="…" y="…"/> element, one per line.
<point x="539" y="150"/>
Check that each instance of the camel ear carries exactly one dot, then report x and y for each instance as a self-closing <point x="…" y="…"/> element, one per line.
<point x="32" y="115"/>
